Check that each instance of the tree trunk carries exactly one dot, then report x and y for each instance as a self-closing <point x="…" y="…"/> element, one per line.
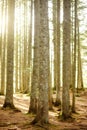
<point x="58" y="102"/>
<point x="80" y="77"/>
<point x="35" y="75"/>
<point x="30" y="60"/>
<point x="3" y="50"/>
<point x="42" y="113"/>
<point x="10" y="49"/>
<point x="66" y="60"/>
<point x="55" y="41"/>
<point x="74" y="62"/>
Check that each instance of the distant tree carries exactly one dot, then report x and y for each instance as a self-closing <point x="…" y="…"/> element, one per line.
<point x="74" y="58"/>
<point x="55" y="40"/>
<point x="10" y="50"/>
<point x="72" y="39"/>
<point x="16" y="51"/>
<point x="50" y="60"/>
<point x="56" y="36"/>
<point x="18" y="66"/>
<point x="25" y="56"/>
<point x="1" y="46"/>
<point x="30" y="60"/>
<point x="66" y="60"/>
<point x="30" y="25"/>
<point x="35" y="74"/>
<point x="58" y="102"/>
<point x="3" y="65"/>
<point x="80" y="76"/>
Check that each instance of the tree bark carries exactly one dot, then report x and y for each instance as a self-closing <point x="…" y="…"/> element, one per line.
<point x="10" y="50"/>
<point x="35" y="75"/>
<point x="42" y="113"/>
<point x="66" y="60"/>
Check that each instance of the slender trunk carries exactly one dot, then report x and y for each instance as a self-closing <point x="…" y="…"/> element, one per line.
<point x="55" y="41"/>
<point x="30" y="50"/>
<point x="10" y="50"/>
<point x="80" y="79"/>
<point x="66" y="60"/>
<point x="58" y="102"/>
<point x="3" y="51"/>
<point x="74" y="63"/>
<point x="35" y="75"/>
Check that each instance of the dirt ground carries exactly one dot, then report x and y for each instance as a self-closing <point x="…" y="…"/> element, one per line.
<point x="10" y="120"/>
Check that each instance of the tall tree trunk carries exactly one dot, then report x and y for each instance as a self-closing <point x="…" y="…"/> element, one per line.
<point x="1" y="44"/>
<point x="42" y="113"/>
<point x="56" y="25"/>
<point x="50" y="63"/>
<point x="30" y="50"/>
<point x="16" y="51"/>
<point x="55" y="41"/>
<point x="21" y="50"/>
<point x="25" y="72"/>
<point x="3" y="51"/>
<point x="80" y="77"/>
<point x="66" y="60"/>
<point x="58" y="56"/>
<point x="74" y="62"/>
<point x="72" y="40"/>
<point x="10" y="50"/>
<point x="35" y="75"/>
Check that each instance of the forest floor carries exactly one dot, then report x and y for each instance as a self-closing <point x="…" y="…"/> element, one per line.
<point x="11" y="120"/>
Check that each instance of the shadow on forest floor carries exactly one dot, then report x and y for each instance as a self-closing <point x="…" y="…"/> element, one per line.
<point x="10" y="120"/>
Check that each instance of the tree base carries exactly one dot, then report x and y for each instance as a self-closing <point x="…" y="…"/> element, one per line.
<point x="73" y="110"/>
<point x="57" y="103"/>
<point x="66" y="117"/>
<point x="78" y="90"/>
<point x="63" y="117"/>
<point x="1" y="93"/>
<point x="10" y="106"/>
<point x="39" y="121"/>
<point x="33" y="111"/>
<point x="33" y="106"/>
